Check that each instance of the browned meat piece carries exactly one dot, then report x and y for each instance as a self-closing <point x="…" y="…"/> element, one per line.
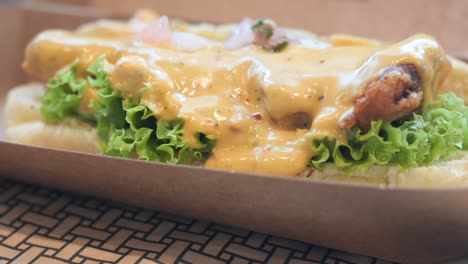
<point x="396" y="93"/>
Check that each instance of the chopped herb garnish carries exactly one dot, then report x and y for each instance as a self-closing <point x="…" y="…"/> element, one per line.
<point x="258" y="24"/>
<point x="280" y="46"/>
<point x="264" y="31"/>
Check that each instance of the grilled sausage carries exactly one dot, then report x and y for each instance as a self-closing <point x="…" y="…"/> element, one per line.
<point x="396" y="93"/>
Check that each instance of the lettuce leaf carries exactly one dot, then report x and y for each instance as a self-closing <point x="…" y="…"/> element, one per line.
<point x="64" y="95"/>
<point x="127" y="128"/>
<point x="108" y="110"/>
<point x="438" y="132"/>
<point x="156" y="140"/>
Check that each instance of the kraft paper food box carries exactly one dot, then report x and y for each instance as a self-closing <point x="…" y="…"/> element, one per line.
<point x="410" y="225"/>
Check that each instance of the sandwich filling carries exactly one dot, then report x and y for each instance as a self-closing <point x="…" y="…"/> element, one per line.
<point x="251" y="97"/>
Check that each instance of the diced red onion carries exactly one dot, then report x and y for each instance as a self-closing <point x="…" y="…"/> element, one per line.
<point x="243" y="35"/>
<point x="279" y="35"/>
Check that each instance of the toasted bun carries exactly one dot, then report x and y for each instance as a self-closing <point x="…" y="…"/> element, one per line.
<point x="449" y="173"/>
<point x="24" y="125"/>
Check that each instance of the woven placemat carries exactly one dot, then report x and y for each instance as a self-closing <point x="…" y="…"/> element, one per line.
<point x="40" y="225"/>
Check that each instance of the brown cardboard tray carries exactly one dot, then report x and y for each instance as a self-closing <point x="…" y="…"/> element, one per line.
<point x="410" y="225"/>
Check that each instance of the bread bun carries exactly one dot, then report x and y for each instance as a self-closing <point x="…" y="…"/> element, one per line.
<point x="449" y="173"/>
<point x="24" y="124"/>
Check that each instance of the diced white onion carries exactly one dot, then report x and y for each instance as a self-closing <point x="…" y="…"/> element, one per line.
<point x="241" y="36"/>
<point x="156" y="32"/>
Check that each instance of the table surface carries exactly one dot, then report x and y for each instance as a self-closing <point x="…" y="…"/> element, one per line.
<point x="40" y="225"/>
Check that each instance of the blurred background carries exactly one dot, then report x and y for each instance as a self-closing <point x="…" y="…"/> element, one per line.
<point x="385" y="20"/>
<point x="380" y="19"/>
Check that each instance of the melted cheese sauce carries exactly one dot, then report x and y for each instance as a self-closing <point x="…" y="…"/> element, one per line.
<point x="263" y="108"/>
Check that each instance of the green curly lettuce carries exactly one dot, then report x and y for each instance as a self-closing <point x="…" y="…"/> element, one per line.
<point x="127" y="128"/>
<point x="440" y="131"/>
<point x="156" y="140"/>
<point x="64" y="95"/>
<point x="108" y="111"/>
